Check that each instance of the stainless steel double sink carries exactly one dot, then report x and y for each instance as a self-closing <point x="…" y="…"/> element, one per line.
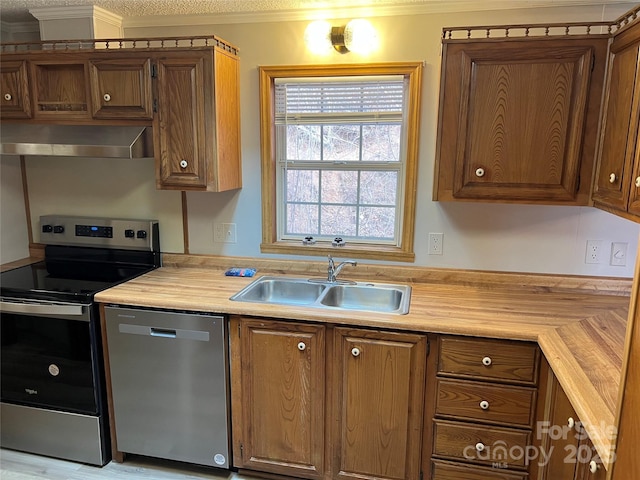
<point x="364" y="296"/>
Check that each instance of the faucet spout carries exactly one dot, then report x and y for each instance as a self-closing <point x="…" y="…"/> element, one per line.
<point x="333" y="271"/>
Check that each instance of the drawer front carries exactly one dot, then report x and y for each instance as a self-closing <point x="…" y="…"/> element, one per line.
<point x="454" y="471"/>
<point x="489" y="359"/>
<point x="479" y="443"/>
<point x="485" y="402"/>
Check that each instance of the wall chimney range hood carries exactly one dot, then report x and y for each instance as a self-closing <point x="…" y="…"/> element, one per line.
<point x="102" y="141"/>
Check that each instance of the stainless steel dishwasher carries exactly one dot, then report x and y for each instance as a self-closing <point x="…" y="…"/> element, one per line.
<point x="169" y="380"/>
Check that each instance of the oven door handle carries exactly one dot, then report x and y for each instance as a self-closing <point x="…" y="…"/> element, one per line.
<point x="70" y="310"/>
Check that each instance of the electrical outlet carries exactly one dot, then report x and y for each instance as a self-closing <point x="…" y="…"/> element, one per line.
<point x="224" y="232"/>
<point x="618" y="254"/>
<point x="593" y="254"/>
<point x="435" y="243"/>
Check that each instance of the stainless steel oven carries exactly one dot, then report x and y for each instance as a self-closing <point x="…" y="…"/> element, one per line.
<point x="51" y="366"/>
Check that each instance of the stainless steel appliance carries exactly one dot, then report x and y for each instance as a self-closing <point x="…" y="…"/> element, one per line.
<point x="169" y="379"/>
<point x="51" y="372"/>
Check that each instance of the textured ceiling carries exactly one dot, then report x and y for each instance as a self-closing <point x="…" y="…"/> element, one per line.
<point x="12" y="11"/>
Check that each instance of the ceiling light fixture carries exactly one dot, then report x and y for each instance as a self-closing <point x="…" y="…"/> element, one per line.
<point x="357" y="36"/>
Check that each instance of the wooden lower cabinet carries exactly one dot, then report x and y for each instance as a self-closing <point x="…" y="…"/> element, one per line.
<point x="452" y="471"/>
<point x="378" y="384"/>
<point x="570" y="453"/>
<point x="313" y="401"/>
<point x="481" y="406"/>
<point x="282" y="406"/>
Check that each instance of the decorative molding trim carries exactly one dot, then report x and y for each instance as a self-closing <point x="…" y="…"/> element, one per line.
<point x="66" y="13"/>
<point x="20" y="27"/>
<point x="435" y="6"/>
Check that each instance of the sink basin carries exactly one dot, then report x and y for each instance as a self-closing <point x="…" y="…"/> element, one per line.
<point x="362" y="296"/>
<point x="281" y="290"/>
<point x="365" y="297"/>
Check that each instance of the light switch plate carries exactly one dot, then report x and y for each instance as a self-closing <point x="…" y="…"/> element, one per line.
<point x="618" y="254"/>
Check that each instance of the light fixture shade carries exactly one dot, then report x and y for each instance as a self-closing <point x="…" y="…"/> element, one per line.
<point x="360" y="36"/>
<point x="357" y="36"/>
<point x="317" y="37"/>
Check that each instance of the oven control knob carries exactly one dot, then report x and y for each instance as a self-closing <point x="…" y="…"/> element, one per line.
<point x="142" y="234"/>
<point x="129" y="233"/>
<point x="58" y="229"/>
<point x="47" y="229"/>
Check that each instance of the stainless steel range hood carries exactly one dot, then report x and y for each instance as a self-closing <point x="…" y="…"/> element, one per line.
<point x="102" y="141"/>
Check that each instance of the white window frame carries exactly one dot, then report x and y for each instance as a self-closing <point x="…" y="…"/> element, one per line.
<point x="274" y="240"/>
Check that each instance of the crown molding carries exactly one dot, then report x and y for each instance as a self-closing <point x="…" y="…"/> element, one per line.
<point x="79" y="11"/>
<point x="435" y="6"/>
<point x="20" y="27"/>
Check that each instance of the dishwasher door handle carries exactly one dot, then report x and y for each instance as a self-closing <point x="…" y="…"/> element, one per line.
<point x="162" y="332"/>
<point x="178" y="333"/>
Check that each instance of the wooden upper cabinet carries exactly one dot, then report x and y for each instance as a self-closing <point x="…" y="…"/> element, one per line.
<point x="188" y="89"/>
<point x="281" y="407"/>
<point x="517" y="119"/>
<point x="60" y="88"/>
<point x="121" y="87"/>
<point x="618" y="165"/>
<point x="198" y="121"/>
<point x="14" y="93"/>
<point x="378" y="380"/>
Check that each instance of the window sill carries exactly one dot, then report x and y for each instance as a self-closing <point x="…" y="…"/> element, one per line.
<point x="369" y="252"/>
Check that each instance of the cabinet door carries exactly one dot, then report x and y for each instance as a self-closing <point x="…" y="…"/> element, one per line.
<point x="619" y="126"/>
<point x="60" y="89"/>
<point x="563" y="437"/>
<point x="14" y="96"/>
<point x="283" y="401"/>
<point x="516" y="120"/>
<point x="121" y="88"/>
<point x="378" y="381"/>
<point x="181" y="156"/>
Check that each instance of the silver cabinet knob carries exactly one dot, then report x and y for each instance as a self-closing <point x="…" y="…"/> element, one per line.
<point x="480" y="447"/>
<point x="484" y="405"/>
<point x="479" y="172"/>
<point x="637" y="182"/>
<point x="612" y="178"/>
<point x="571" y="423"/>
<point x="107" y="97"/>
<point x="183" y="163"/>
<point x="486" y="361"/>
<point x="7" y="96"/>
<point x="593" y="466"/>
<point x="355" y="351"/>
<point x="301" y="346"/>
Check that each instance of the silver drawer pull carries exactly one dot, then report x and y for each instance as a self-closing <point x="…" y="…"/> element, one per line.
<point x="7" y="96"/>
<point x="301" y="346"/>
<point x="183" y="163"/>
<point x="107" y="97"/>
<point x="486" y="361"/>
<point x="480" y="447"/>
<point x="355" y="351"/>
<point x="484" y="405"/>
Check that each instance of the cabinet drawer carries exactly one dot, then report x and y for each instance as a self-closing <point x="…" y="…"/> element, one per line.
<point x="479" y="443"/>
<point x="485" y="402"/>
<point x="454" y="471"/>
<point x="497" y="360"/>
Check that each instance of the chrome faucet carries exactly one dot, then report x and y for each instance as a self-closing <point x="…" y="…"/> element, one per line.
<point x="333" y="271"/>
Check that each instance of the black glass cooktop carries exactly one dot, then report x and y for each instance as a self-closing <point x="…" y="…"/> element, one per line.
<point x="70" y="279"/>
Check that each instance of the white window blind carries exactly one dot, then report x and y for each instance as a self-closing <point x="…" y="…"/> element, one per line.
<point x="343" y="99"/>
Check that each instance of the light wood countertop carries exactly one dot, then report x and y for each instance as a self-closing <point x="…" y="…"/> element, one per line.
<point x="580" y="333"/>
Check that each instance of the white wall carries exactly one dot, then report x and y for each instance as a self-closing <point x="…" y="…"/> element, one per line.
<point x="14" y="237"/>
<point x="476" y="236"/>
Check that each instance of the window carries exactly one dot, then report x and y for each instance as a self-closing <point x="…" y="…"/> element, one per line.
<point x="339" y="159"/>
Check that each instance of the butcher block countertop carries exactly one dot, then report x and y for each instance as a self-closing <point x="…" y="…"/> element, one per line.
<point x="579" y="323"/>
